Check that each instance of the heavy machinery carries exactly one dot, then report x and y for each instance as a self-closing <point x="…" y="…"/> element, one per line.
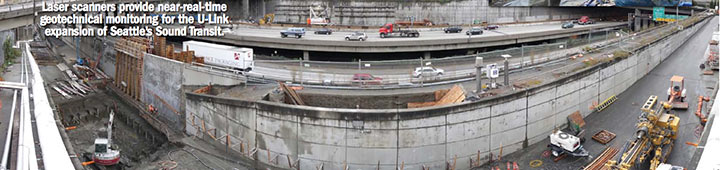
<point x="565" y="143"/>
<point x="267" y="19"/>
<point x="392" y="30"/>
<point x="654" y="138"/>
<point x="676" y="93"/>
<point x="104" y="152"/>
<point x="318" y="19"/>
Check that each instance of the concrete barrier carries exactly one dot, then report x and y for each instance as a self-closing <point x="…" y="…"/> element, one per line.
<point x="274" y="135"/>
<point x="401" y="46"/>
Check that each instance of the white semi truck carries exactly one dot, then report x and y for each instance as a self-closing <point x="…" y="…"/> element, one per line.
<point x="236" y="58"/>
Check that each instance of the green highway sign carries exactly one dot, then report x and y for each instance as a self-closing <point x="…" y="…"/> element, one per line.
<point x="658" y="12"/>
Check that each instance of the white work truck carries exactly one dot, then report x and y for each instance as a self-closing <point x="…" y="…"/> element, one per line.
<point x="236" y="58"/>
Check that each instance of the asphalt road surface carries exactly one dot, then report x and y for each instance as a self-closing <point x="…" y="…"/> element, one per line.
<point x="621" y="116"/>
<point x="373" y="34"/>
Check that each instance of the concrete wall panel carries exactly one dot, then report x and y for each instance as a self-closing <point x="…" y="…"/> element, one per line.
<point x="164" y="93"/>
<point x="468" y="130"/>
<point x="470" y="115"/>
<point x="372" y="138"/>
<point x="421" y="137"/>
<point x="418" y="155"/>
<point x="541" y="111"/>
<point x="508" y="121"/>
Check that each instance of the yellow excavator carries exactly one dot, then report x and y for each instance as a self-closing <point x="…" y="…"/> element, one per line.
<point x="654" y="138"/>
<point x="267" y="19"/>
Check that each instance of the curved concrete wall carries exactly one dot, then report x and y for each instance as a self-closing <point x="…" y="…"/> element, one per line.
<point x="364" y="139"/>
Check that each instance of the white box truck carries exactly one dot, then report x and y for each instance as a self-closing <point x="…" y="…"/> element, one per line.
<point x="222" y="55"/>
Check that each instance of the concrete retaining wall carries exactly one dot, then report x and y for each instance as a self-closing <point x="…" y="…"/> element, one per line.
<point x="376" y="12"/>
<point x="364" y="139"/>
<point x="162" y="87"/>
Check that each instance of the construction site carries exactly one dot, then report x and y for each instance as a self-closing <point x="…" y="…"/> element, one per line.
<point x="528" y="93"/>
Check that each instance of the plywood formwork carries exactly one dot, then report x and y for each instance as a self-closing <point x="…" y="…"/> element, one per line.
<point x="128" y="74"/>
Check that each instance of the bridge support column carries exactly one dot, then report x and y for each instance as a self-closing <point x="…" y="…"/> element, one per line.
<point x="478" y="73"/>
<point x="426" y="55"/>
<point x="637" y="19"/>
<point x="306" y="55"/>
<point x="245" y="9"/>
<point x="645" y="23"/>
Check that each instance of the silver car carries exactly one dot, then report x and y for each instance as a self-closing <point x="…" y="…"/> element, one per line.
<point x="360" y="36"/>
<point x="427" y="72"/>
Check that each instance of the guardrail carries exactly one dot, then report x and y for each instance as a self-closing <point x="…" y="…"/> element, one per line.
<point x="54" y="153"/>
<point x="456" y="68"/>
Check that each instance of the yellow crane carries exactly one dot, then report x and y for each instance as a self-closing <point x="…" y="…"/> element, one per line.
<point x="654" y="138"/>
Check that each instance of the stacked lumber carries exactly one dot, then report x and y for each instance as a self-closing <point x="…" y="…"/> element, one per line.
<point x="456" y="94"/>
<point x="168" y="51"/>
<point x="131" y="46"/>
<point x="290" y="92"/>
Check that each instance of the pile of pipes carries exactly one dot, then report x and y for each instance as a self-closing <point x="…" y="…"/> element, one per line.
<point x="71" y="88"/>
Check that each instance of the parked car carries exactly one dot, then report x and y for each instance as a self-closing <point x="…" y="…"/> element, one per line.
<point x="326" y="31"/>
<point x="366" y="79"/>
<point x="474" y="31"/>
<point x="492" y="27"/>
<point x="296" y="32"/>
<point x="567" y="25"/>
<point x="453" y="29"/>
<point x="427" y="72"/>
<point x="360" y="36"/>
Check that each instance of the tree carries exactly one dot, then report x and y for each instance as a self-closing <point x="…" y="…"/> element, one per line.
<point x="10" y="53"/>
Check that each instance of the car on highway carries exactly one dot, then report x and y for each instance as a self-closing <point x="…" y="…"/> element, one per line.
<point x="326" y="31"/>
<point x="366" y="79"/>
<point x="359" y="36"/>
<point x="453" y="29"/>
<point x="585" y="20"/>
<point x="474" y="31"/>
<point x="296" y="32"/>
<point x="492" y="27"/>
<point x="567" y="25"/>
<point x="427" y="72"/>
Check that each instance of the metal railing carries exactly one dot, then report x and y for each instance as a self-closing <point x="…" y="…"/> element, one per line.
<point x="400" y="72"/>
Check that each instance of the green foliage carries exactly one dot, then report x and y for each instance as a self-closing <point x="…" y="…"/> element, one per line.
<point x="621" y="54"/>
<point x="10" y="53"/>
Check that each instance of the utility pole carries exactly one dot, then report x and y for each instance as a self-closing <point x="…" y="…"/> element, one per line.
<point x="478" y="72"/>
<point x="522" y="55"/>
<point x="507" y="69"/>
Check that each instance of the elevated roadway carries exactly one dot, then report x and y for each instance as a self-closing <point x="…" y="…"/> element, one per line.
<point x="428" y="41"/>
